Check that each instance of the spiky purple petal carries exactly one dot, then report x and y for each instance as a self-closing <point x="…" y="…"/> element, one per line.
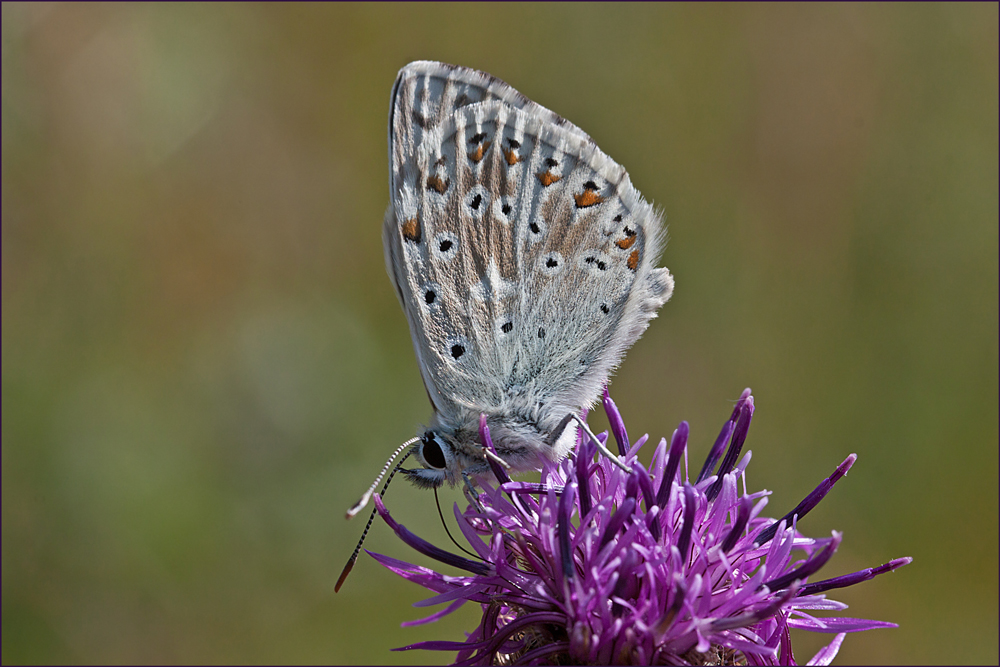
<point x="426" y="547"/>
<point x="617" y="423"/>
<point x="736" y="444"/>
<point x="811" y="500"/>
<point x="855" y="578"/>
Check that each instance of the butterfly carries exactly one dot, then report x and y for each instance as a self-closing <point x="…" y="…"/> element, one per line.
<point x="524" y="260"/>
<point x="525" y="263"/>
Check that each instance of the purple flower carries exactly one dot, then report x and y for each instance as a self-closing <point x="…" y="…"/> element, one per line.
<point x="596" y="565"/>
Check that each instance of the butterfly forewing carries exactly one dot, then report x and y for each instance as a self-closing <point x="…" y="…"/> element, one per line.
<point x="427" y="92"/>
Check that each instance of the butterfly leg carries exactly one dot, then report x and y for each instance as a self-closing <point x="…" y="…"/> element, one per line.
<point x="470" y="492"/>
<point x="600" y="446"/>
<point x="495" y="457"/>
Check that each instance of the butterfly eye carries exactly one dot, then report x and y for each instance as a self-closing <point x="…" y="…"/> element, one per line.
<point x="432" y="453"/>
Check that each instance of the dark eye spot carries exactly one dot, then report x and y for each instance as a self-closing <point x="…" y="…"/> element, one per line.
<point x="590" y="185"/>
<point x="618" y="218"/>
<point x="551" y="262"/>
<point x="604" y="308"/>
<point x="541" y="333"/>
<point x="457" y="351"/>
<point x="506" y="328"/>
<point x="429" y="296"/>
<point x="476" y="201"/>
<point x="432" y="453"/>
<point x="534" y="227"/>
<point x="506" y="209"/>
<point x="551" y="162"/>
<point x="513" y="143"/>
<point x="477" y="138"/>
<point x="601" y="265"/>
<point x="629" y="232"/>
<point x="445" y="245"/>
<point x="589" y="260"/>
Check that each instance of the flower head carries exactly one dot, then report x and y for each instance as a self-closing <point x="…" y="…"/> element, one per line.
<point x="596" y="565"/>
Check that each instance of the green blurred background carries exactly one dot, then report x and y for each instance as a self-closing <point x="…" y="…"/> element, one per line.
<point x="204" y="362"/>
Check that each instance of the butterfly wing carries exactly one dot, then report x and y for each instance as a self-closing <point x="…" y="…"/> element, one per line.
<point x="521" y="253"/>
<point x="426" y="93"/>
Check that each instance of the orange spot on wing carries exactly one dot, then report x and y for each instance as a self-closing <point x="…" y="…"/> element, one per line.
<point x="437" y="184"/>
<point x="548" y="178"/>
<point x="480" y="151"/>
<point x="411" y="230"/>
<point x="511" y="157"/>
<point x="633" y="260"/>
<point x="626" y="242"/>
<point x="587" y="198"/>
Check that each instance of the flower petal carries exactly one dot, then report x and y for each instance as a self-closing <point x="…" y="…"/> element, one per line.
<point x="678" y="442"/>
<point x="563" y="527"/>
<point x="435" y="616"/>
<point x="814" y="563"/>
<point x="839" y="624"/>
<point x="735" y="445"/>
<point x="742" y="515"/>
<point x="484" y="437"/>
<point x="426" y="547"/>
<point x="616" y="422"/>
<point x="855" y="578"/>
<point x="826" y="654"/>
<point x="812" y="499"/>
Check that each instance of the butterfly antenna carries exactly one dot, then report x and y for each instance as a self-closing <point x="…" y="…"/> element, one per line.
<point x="354" y="556"/>
<point x="360" y="505"/>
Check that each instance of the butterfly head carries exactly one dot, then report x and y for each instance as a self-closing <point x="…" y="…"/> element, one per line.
<point x="438" y="458"/>
<point x="449" y="453"/>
